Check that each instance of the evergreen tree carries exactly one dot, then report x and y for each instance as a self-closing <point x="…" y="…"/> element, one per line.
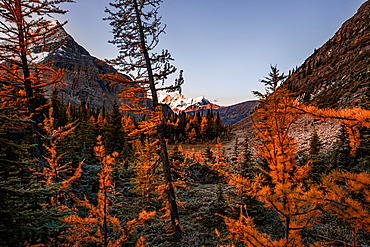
<point x="318" y="165"/>
<point x="114" y="135"/>
<point x="59" y="110"/>
<point x="315" y="144"/>
<point x="246" y="164"/>
<point x="24" y="27"/>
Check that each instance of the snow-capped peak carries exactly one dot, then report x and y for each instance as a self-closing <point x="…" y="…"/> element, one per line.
<point x="179" y="102"/>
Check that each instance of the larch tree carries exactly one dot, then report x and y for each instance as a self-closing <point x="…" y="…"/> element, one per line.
<point x="136" y="28"/>
<point x="99" y="227"/>
<point x="24" y="26"/>
<point x="146" y="178"/>
<point x="300" y="203"/>
<point x="58" y="173"/>
<point x="284" y="192"/>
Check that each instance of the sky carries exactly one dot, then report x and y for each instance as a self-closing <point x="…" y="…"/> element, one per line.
<point x="225" y="47"/>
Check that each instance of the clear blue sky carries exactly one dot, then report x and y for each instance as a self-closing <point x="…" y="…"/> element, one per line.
<point x="225" y="46"/>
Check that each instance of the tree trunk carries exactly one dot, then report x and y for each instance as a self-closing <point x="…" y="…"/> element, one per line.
<point x="171" y="197"/>
<point x="31" y="104"/>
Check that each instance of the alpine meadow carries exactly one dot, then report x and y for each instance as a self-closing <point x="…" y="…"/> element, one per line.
<point x="109" y="152"/>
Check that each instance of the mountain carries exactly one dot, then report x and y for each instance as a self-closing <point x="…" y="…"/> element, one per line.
<point x="337" y="74"/>
<point x="232" y="114"/>
<point x="179" y="103"/>
<point x="229" y="114"/>
<point x="81" y="71"/>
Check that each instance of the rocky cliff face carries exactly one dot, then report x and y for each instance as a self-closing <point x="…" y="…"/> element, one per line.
<point x="81" y="72"/>
<point x="337" y="75"/>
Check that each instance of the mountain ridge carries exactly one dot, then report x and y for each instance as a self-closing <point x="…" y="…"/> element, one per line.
<point x="337" y="74"/>
<point x="232" y="114"/>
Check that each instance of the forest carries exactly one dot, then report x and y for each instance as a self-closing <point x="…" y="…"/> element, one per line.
<point x="77" y="176"/>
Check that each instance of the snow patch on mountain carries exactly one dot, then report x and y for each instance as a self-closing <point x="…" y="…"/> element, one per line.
<point x="179" y="102"/>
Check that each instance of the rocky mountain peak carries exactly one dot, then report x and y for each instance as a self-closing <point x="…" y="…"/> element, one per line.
<point x="81" y="71"/>
<point x="179" y="103"/>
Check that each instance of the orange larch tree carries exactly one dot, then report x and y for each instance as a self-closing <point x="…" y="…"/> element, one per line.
<point x="24" y="26"/>
<point x="99" y="227"/>
<point x="62" y="175"/>
<point x="147" y="170"/>
<point x="136" y="28"/>
<point x="285" y="191"/>
<point x="288" y="191"/>
<point x="57" y="179"/>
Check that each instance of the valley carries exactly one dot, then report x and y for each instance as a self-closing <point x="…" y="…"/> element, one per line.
<point x="103" y="152"/>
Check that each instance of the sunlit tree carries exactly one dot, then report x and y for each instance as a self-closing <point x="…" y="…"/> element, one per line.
<point x="136" y="29"/>
<point x="100" y="227"/>
<point x="301" y="204"/>
<point x="25" y="26"/>
<point x="284" y="193"/>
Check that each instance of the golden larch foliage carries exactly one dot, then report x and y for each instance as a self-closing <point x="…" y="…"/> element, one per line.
<point x="55" y="172"/>
<point x="99" y="226"/>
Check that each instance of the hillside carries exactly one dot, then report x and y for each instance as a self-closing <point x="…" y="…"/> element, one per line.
<point x="231" y="114"/>
<point x="337" y="74"/>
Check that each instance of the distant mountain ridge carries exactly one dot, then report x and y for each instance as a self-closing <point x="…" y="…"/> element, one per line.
<point x="232" y="114"/>
<point x="229" y="114"/>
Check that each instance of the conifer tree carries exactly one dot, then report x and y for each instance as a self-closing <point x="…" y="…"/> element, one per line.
<point x="272" y="121"/>
<point x="17" y="197"/>
<point x="315" y="144"/>
<point x="146" y="171"/>
<point x="246" y="164"/>
<point x="100" y="227"/>
<point x="58" y="177"/>
<point x="300" y="203"/>
<point x="56" y="172"/>
<point x="136" y="28"/>
<point x="204" y="127"/>
<point x="318" y="165"/>
<point x="23" y="27"/>
<point x="115" y="138"/>
<point x="84" y="134"/>
<point x="235" y="155"/>
<point x="342" y="153"/>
